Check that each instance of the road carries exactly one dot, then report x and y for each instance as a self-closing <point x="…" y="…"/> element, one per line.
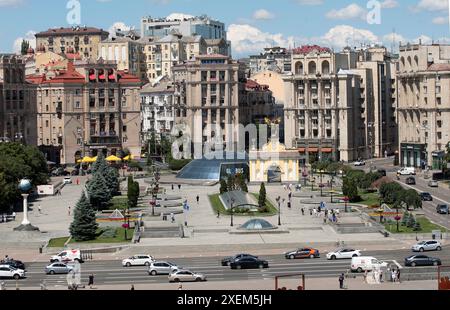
<point x="112" y="273"/>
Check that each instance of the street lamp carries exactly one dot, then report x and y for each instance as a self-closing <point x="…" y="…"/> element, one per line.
<point x="332" y="180"/>
<point x="321" y="182"/>
<point x="232" y="208"/>
<point x="346" y="200"/>
<point x="397" y="218"/>
<point x="279" y="210"/>
<point x="313" y="180"/>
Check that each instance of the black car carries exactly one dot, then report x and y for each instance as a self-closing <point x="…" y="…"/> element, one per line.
<point x="382" y="172"/>
<point x="227" y="260"/>
<point x="422" y="260"/>
<point x="426" y="197"/>
<point x="17" y="264"/>
<point x="249" y="263"/>
<point x="442" y="209"/>
<point x="411" y="181"/>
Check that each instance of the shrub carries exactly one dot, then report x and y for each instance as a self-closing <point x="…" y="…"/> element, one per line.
<point x="108" y="232"/>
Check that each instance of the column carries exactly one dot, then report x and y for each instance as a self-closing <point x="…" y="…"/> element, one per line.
<point x="25" y="210"/>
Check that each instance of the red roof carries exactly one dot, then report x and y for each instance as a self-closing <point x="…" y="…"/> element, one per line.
<point x="72" y="56"/>
<point x="306" y="49"/>
<point x="255" y="86"/>
<point x="70" y="75"/>
<point x="128" y="78"/>
<point x="439" y="67"/>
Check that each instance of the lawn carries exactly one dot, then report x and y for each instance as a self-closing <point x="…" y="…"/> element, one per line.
<point x="369" y="199"/>
<point x="119" y="203"/>
<point x="218" y="207"/>
<point x="57" y="242"/>
<point x="118" y="238"/>
<point x="427" y="227"/>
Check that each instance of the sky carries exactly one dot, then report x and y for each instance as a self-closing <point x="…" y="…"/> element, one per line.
<point x="251" y="24"/>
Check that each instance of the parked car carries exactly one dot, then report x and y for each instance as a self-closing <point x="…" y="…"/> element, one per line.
<point x="433" y="184"/>
<point x="186" y="276"/>
<point x="75" y="172"/>
<point x="138" y="260"/>
<point x="58" y="268"/>
<point x="411" y="181"/>
<point x="249" y="263"/>
<point x="227" y="260"/>
<point x="442" y="209"/>
<point x="302" y="253"/>
<point x="422" y="260"/>
<point x="343" y="254"/>
<point x="422" y="246"/>
<point x="157" y="268"/>
<point x="67" y="180"/>
<point x="359" y="163"/>
<point x="9" y="272"/>
<point x="363" y="263"/>
<point x="17" y="264"/>
<point x="407" y="171"/>
<point x="426" y="197"/>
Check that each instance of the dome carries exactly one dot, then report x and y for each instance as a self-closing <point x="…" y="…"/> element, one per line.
<point x="257" y="224"/>
<point x="25" y="185"/>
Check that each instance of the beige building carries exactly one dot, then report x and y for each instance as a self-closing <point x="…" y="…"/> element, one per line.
<point x="424" y="104"/>
<point x="82" y="40"/>
<point x="17" y="102"/>
<point x="127" y="53"/>
<point x="87" y="108"/>
<point x="208" y="91"/>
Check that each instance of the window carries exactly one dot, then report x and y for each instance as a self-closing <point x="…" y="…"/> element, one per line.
<point x="77" y="105"/>
<point x="124" y="128"/>
<point x="439" y="135"/>
<point x="124" y="116"/>
<point x="439" y="101"/>
<point x="438" y="89"/>
<point x="46" y="123"/>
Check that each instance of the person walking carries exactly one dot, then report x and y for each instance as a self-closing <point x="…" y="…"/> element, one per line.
<point x="172" y="187"/>
<point x="179" y="187"/>
<point x="365" y="276"/>
<point x="91" y="280"/>
<point x="198" y="199"/>
<point x="39" y="209"/>
<point x="132" y="287"/>
<point x="394" y="276"/>
<point x="303" y="211"/>
<point x="172" y="217"/>
<point x="68" y="211"/>
<point x="341" y="281"/>
<point x="398" y="276"/>
<point x="310" y="212"/>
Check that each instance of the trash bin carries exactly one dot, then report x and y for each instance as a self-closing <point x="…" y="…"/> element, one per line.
<point x="40" y="250"/>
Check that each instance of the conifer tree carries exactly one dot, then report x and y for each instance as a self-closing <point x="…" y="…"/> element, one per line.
<point x="84" y="226"/>
<point x="262" y="196"/>
<point x="99" y="193"/>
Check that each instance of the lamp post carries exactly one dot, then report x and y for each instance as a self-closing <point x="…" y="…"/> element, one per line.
<point x="397" y="218"/>
<point x="279" y="210"/>
<point x="232" y="208"/>
<point x="332" y="180"/>
<point x="321" y="182"/>
<point x="313" y="180"/>
<point x="346" y="199"/>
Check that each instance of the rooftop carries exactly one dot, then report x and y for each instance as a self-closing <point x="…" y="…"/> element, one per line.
<point x="307" y="49"/>
<point x="71" y="31"/>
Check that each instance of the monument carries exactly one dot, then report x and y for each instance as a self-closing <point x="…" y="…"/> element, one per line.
<point x="25" y="187"/>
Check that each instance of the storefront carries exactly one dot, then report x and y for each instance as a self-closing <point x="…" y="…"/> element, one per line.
<point x="413" y="155"/>
<point x="438" y="160"/>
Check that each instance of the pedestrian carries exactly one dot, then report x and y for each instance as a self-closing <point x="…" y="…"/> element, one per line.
<point x="180" y="287"/>
<point x="365" y="276"/>
<point x="172" y="187"/>
<point x="303" y="211"/>
<point x="198" y="199"/>
<point x="341" y="281"/>
<point x="319" y="209"/>
<point x="310" y="212"/>
<point x="132" y="287"/>
<point x="91" y="280"/>
<point x="179" y="187"/>
<point x="285" y="188"/>
<point x="39" y="209"/>
<point x="398" y="276"/>
<point x="326" y="212"/>
<point x="337" y="212"/>
<point x="394" y="276"/>
<point x="325" y="220"/>
<point x="172" y="217"/>
<point x="315" y="212"/>
<point x="69" y="211"/>
<point x="218" y="214"/>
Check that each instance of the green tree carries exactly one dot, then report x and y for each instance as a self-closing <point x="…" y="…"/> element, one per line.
<point x="405" y="218"/>
<point x="223" y="186"/>
<point x="412" y="198"/>
<point x="84" y="226"/>
<point x="417" y="227"/>
<point x="112" y="179"/>
<point x="99" y="192"/>
<point x="368" y="179"/>
<point x="262" y="196"/>
<point x="350" y="189"/>
<point x="389" y="192"/>
<point x="100" y="166"/>
<point x="24" y="47"/>
<point x="411" y="221"/>
<point x="133" y="192"/>
<point x="241" y="183"/>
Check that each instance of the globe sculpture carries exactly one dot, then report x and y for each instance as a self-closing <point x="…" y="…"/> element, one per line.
<point x="25" y="187"/>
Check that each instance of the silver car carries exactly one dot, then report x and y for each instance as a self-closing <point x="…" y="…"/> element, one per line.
<point x="427" y="246"/>
<point x="186" y="276"/>
<point x="58" y="268"/>
<point x="157" y="268"/>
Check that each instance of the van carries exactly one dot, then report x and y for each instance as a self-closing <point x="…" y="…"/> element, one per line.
<point x="407" y="171"/>
<point x="67" y="256"/>
<point x="363" y="263"/>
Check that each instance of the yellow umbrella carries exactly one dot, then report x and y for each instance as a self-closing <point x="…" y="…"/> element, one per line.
<point x="113" y="158"/>
<point x="129" y="157"/>
<point x="87" y="159"/>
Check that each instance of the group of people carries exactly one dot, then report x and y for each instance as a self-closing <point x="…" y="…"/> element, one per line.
<point x="395" y="275"/>
<point x="332" y="215"/>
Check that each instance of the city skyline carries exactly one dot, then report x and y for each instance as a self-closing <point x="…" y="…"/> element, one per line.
<point x="255" y="25"/>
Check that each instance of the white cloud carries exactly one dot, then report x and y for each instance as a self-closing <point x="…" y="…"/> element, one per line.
<point x="263" y="14"/>
<point x="389" y="4"/>
<point x="310" y="2"/>
<point x="344" y="35"/>
<point x="5" y="3"/>
<point x="349" y="12"/>
<point x="431" y="5"/>
<point x="440" y="20"/>
<point x="29" y="36"/>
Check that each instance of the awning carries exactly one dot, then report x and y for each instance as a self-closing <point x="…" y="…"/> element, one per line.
<point x="302" y="150"/>
<point x="86" y="160"/>
<point x="313" y="150"/>
<point x="327" y="150"/>
<point x="92" y="77"/>
<point x="113" y="158"/>
<point x="102" y="77"/>
<point x="129" y="157"/>
<point x="111" y="77"/>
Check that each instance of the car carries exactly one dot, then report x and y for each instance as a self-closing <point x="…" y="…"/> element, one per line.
<point x="410" y="181"/>
<point x="422" y="246"/>
<point x="359" y="163"/>
<point x="138" y="260"/>
<point x="407" y="171"/>
<point x="302" y="253"/>
<point x="186" y="276"/>
<point x="67" y="256"/>
<point x="6" y="271"/>
<point x="366" y="263"/>
<point x="422" y="260"/>
<point x="433" y="184"/>
<point x="249" y="263"/>
<point x="343" y="254"/>
<point x="67" y="180"/>
<point x="58" y="268"/>
<point x="13" y="263"/>
<point x="382" y="172"/>
<point x="426" y="197"/>
<point x="442" y="209"/>
<point x="227" y="260"/>
<point x="157" y="268"/>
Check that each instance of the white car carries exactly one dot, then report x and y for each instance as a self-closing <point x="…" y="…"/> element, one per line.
<point x="423" y="246"/>
<point x="359" y="163"/>
<point x="343" y="254"/>
<point x="157" y="268"/>
<point x="67" y="180"/>
<point x="11" y="272"/>
<point x="361" y="264"/>
<point x="186" y="276"/>
<point x="138" y="260"/>
<point x="407" y="171"/>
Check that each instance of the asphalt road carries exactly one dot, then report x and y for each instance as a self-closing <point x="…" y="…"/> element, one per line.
<point x="112" y="272"/>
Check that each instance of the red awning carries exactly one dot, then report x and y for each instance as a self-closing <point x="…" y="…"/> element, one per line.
<point x="102" y="77"/>
<point x="302" y="150"/>
<point x="92" y="77"/>
<point x="111" y="77"/>
<point x="327" y="150"/>
<point x="313" y="150"/>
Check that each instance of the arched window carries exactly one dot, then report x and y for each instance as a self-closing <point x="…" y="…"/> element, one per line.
<point x="416" y="61"/>
<point x="124" y="53"/>
<point x="299" y="68"/>
<point x="409" y="62"/>
<point x="312" y="67"/>
<point x="402" y="62"/>
<point x="325" y="67"/>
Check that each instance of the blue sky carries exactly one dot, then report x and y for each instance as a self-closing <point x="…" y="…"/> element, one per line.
<point x="252" y="24"/>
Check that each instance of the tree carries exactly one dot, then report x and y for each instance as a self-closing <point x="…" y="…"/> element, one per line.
<point x="133" y="192"/>
<point x="231" y="183"/>
<point x="99" y="193"/>
<point x="412" y="198"/>
<point x="262" y="196"/>
<point x="240" y="183"/>
<point x="411" y="221"/>
<point x="368" y="179"/>
<point x="112" y="179"/>
<point x="350" y="189"/>
<point x="84" y="226"/>
<point x="223" y="186"/>
<point x="405" y="218"/>
<point x="24" y="47"/>
<point x="417" y="227"/>
<point x="390" y="191"/>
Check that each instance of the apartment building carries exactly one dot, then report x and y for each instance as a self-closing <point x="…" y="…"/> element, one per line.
<point x="208" y="91"/>
<point x="87" y="108"/>
<point x="157" y="109"/>
<point x="276" y="59"/>
<point x="127" y="53"/>
<point x="424" y="104"/>
<point x="82" y="40"/>
<point x="17" y="102"/>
